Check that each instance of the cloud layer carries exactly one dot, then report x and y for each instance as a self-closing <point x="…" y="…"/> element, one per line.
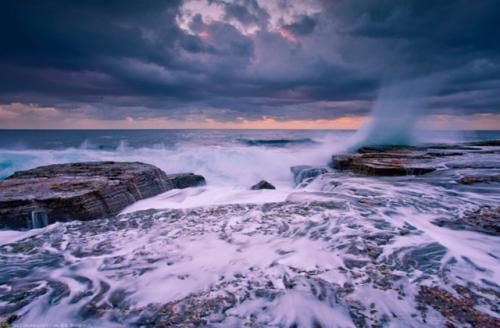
<point x="244" y="59"/>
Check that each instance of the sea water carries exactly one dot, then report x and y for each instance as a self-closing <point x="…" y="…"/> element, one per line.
<point x="224" y="157"/>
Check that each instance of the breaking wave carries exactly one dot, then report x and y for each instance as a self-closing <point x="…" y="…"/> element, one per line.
<point x="234" y="165"/>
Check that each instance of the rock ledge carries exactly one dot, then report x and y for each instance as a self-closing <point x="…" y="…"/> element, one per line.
<point x="77" y="191"/>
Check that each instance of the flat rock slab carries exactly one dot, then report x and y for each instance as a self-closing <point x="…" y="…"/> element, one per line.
<point x="387" y="161"/>
<point x="77" y="191"/>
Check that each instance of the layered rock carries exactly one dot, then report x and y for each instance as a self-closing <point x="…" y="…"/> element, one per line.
<point x="386" y="161"/>
<point x="77" y="191"/>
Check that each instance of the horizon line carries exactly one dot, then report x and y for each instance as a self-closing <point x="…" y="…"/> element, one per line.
<point x="250" y="129"/>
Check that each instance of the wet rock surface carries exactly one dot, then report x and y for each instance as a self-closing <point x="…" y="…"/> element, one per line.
<point x="262" y="185"/>
<point x="187" y="180"/>
<point x="80" y="191"/>
<point x="460" y="310"/>
<point x="485" y="220"/>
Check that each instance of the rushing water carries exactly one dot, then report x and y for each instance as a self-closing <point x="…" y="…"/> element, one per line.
<point x="343" y="251"/>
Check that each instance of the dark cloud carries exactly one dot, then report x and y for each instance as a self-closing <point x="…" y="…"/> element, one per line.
<point x="247" y="12"/>
<point x="305" y="25"/>
<point x="423" y="37"/>
<point x="115" y="59"/>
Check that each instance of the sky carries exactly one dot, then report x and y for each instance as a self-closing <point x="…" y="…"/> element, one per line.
<point x="245" y="63"/>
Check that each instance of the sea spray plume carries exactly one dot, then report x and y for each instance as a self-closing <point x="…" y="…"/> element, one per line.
<point x="397" y="110"/>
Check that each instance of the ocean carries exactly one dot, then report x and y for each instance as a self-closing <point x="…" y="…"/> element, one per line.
<point x="224" y="157"/>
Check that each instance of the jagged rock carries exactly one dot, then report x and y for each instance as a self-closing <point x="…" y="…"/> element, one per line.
<point x="186" y="180"/>
<point x="385" y="161"/>
<point x="467" y="180"/>
<point x="262" y="185"/>
<point x="77" y="191"/>
<point x="301" y="173"/>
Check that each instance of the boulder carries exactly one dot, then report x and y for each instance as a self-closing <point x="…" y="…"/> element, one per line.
<point x="262" y="185"/>
<point x="388" y="161"/>
<point x="306" y="173"/>
<point x="186" y="180"/>
<point x="76" y="191"/>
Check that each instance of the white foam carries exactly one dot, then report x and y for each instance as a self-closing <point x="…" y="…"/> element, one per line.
<point x="231" y="165"/>
<point x="11" y="236"/>
<point x="204" y="196"/>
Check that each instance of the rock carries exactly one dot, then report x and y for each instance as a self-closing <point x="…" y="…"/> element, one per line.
<point x="385" y="161"/>
<point x="10" y="320"/>
<point x="485" y="219"/>
<point x="186" y="180"/>
<point x="459" y="310"/>
<point x="301" y="173"/>
<point x="76" y="191"/>
<point x="467" y="180"/>
<point x="262" y="185"/>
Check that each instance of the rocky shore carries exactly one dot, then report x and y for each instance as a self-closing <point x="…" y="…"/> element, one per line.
<point x="384" y="237"/>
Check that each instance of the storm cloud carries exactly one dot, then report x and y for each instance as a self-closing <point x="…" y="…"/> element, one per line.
<point x="228" y="60"/>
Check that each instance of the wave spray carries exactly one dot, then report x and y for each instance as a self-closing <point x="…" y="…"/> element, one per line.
<point x="395" y="114"/>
